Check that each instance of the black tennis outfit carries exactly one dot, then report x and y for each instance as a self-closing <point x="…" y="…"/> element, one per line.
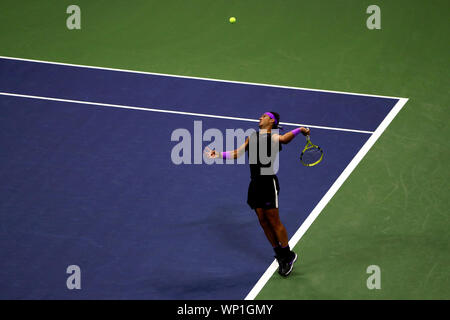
<point x="264" y="186"/>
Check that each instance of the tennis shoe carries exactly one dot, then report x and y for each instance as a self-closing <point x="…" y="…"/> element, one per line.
<point x="287" y="264"/>
<point x="279" y="260"/>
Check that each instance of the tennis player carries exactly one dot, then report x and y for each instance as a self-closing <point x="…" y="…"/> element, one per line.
<point x="264" y="186"/>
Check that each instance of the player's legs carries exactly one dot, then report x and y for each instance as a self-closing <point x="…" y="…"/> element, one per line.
<point x="277" y="235"/>
<point x="267" y="227"/>
<point x="272" y="216"/>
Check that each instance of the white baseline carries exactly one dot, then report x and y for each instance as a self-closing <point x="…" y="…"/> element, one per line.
<point x="330" y="193"/>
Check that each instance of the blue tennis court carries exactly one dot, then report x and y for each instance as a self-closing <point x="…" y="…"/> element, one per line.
<point x="88" y="180"/>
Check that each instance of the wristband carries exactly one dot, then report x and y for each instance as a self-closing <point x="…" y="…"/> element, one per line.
<point x="226" y="155"/>
<point x="296" y="131"/>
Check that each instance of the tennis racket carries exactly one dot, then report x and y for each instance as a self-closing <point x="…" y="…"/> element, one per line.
<point x="311" y="154"/>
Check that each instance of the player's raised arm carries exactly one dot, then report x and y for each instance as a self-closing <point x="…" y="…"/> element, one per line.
<point x="288" y="136"/>
<point x="227" y="154"/>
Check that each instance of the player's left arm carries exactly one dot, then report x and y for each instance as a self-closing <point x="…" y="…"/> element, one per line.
<point x="234" y="154"/>
<point x="289" y="136"/>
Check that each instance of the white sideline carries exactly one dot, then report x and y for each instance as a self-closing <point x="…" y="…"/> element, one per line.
<point x="196" y="78"/>
<point x="172" y="111"/>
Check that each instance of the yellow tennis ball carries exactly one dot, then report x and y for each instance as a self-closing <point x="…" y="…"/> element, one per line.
<point x="232" y="20"/>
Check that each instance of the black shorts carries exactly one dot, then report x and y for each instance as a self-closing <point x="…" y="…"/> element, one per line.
<point x="263" y="192"/>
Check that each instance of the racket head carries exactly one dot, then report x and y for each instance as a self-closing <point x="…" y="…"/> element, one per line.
<point x="311" y="154"/>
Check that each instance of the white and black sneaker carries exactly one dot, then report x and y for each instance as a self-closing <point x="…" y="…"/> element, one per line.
<point x="279" y="260"/>
<point x="287" y="264"/>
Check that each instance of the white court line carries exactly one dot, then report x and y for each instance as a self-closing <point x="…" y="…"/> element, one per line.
<point x="330" y="193"/>
<point x="173" y="112"/>
<point x="195" y="78"/>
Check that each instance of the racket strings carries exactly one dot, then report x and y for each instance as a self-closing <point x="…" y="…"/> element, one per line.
<point x="311" y="155"/>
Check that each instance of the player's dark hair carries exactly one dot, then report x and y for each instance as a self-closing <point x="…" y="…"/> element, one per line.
<point x="277" y="116"/>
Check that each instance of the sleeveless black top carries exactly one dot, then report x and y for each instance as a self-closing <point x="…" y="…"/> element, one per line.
<point x="262" y="153"/>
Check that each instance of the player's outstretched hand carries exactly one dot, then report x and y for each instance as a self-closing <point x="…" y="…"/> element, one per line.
<point x="211" y="154"/>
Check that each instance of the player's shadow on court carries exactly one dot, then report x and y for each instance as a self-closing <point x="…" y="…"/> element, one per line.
<point x="239" y="229"/>
<point x="236" y="229"/>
